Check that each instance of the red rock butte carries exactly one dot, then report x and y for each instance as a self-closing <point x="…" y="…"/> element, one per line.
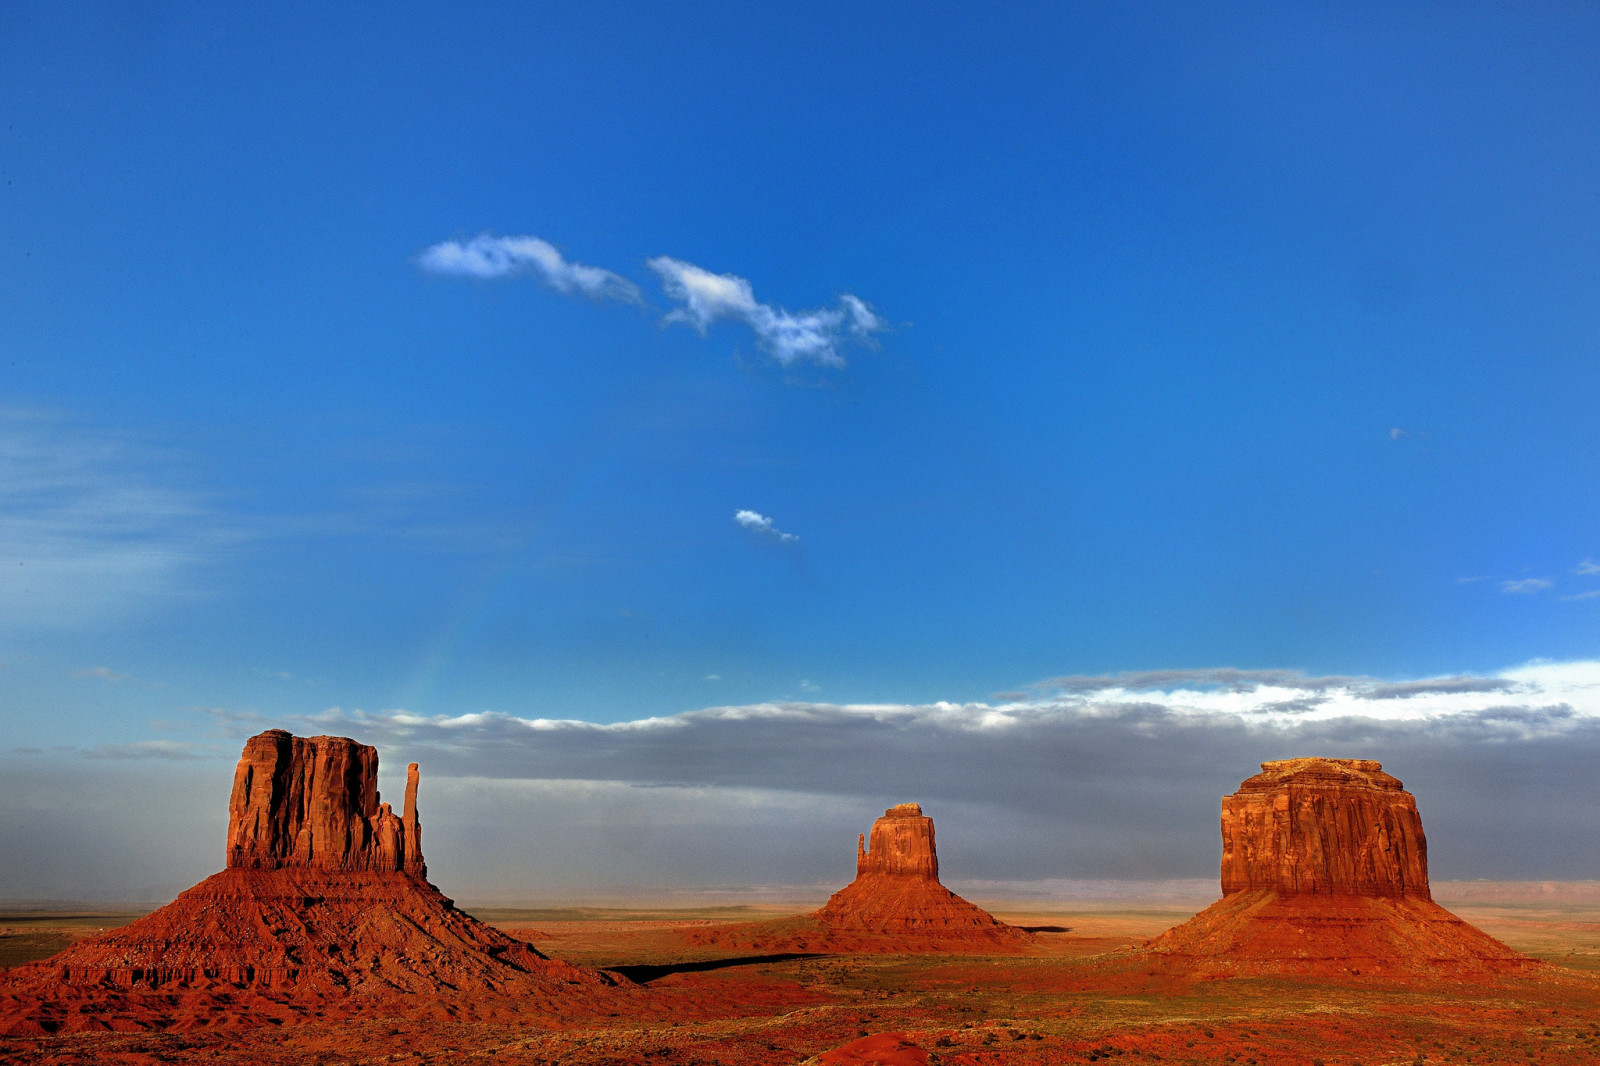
<point x="895" y="903"/>
<point x="1325" y="871"/>
<point x="323" y="909"/>
<point x="312" y="802"/>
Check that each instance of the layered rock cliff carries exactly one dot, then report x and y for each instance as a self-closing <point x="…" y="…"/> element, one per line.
<point x="313" y="802"/>
<point x="1324" y="827"/>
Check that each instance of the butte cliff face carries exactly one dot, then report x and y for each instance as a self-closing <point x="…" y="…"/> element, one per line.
<point x="1324" y="827"/>
<point x="1325" y="872"/>
<point x="323" y="910"/>
<point x="312" y="802"/>
<point x="902" y="846"/>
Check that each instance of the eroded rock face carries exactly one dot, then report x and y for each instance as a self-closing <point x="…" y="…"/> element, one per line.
<point x="902" y="845"/>
<point x="313" y="802"/>
<point x="1324" y="827"/>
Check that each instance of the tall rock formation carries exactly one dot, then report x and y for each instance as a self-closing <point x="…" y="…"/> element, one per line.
<point x="313" y="802"/>
<point x="323" y="909"/>
<point x="902" y="846"/>
<point x="1325" y="871"/>
<point x="895" y="903"/>
<point x="1324" y="827"/>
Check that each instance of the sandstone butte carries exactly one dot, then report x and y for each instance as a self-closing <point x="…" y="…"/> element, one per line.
<point x="324" y="908"/>
<point x="1325" y="872"/>
<point x="895" y="903"/>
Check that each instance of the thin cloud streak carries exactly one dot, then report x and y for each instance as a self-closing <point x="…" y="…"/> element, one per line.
<point x="489" y="257"/>
<point x="89" y="531"/>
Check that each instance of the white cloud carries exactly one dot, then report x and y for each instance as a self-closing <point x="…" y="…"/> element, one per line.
<point x="761" y="525"/>
<point x="1590" y="595"/>
<point x="1526" y="586"/>
<point x="1396" y="433"/>
<point x="1588" y="566"/>
<point x="487" y="256"/>
<point x="791" y="337"/>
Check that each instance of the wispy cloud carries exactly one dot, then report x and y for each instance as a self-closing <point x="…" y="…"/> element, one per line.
<point x="487" y="256"/>
<point x="1590" y="595"/>
<point x="168" y="750"/>
<point x="1525" y="586"/>
<point x="93" y="525"/>
<point x="815" y="336"/>
<point x="104" y="673"/>
<point x="763" y="526"/>
<point x="1588" y="566"/>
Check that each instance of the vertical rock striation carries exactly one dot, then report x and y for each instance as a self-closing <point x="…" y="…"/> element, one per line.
<point x="313" y="802"/>
<point x="1324" y="827"/>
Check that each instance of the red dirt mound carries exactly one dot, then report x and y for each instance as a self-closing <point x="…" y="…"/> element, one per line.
<point x="896" y="903"/>
<point x="322" y="909"/>
<point x="1325" y="872"/>
<point x="880" y="1049"/>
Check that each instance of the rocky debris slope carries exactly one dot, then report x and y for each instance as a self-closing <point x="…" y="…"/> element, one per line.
<point x="323" y="908"/>
<point x="1325" y="871"/>
<point x="895" y="903"/>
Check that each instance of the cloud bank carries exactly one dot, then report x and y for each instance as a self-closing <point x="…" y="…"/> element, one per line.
<point x="1076" y="778"/>
<point x="487" y="257"/>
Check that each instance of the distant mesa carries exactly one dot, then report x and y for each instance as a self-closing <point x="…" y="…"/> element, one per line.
<point x="323" y="909"/>
<point x="895" y="903"/>
<point x="1325" y="871"/>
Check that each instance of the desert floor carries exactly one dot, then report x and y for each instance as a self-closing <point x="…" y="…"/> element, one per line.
<point x="1075" y="996"/>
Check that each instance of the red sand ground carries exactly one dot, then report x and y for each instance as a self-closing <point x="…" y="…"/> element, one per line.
<point x="1064" y="999"/>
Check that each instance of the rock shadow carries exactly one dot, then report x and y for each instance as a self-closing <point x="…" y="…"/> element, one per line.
<point x="644" y="974"/>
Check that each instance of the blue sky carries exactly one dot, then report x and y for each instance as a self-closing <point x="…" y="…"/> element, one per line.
<point x="1251" y="336"/>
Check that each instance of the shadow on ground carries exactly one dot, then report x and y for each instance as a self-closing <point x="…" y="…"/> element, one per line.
<point x="643" y="975"/>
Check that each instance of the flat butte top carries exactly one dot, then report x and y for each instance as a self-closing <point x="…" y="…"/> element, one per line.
<point x="1322" y="773"/>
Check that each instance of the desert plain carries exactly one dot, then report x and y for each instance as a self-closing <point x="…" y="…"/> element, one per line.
<point x="323" y="941"/>
<point x="1065" y="999"/>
